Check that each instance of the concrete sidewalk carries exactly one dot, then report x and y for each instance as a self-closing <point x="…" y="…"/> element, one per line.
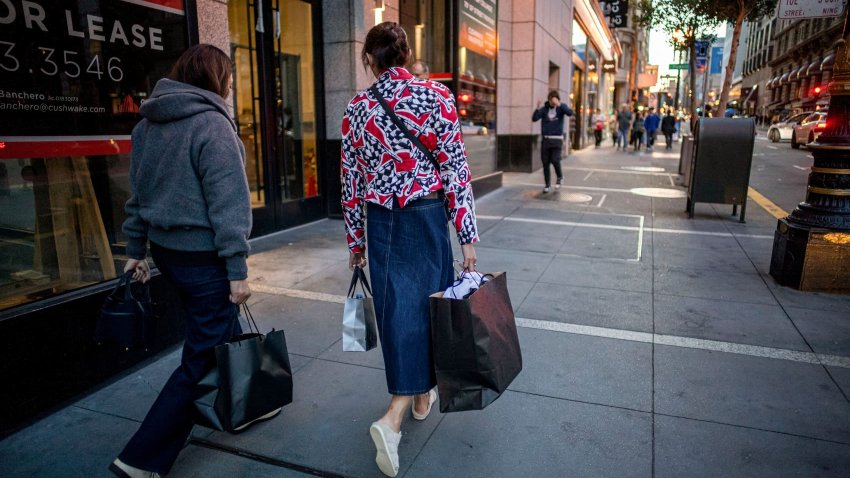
<point x="653" y="345"/>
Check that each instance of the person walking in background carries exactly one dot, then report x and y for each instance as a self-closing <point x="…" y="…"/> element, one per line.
<point x="552" y="114"/>
<point x="624" y="122"/>
<point x="612" y="127"/>
<point x="598" y="121"/>
<point x="393" y="189"/>
<point x="420" y="70"/>
<point x="638" y="130"/>
<point x="651" y="124"/>
<point x="190" y="198"/>
<point x="668" y="127"/>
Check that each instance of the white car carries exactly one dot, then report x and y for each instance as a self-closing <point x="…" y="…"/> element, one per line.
<point x="783" y="129"/>
<point x="809" y="129"/>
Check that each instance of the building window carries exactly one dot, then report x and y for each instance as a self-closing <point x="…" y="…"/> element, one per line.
<point x="63" y="187"/>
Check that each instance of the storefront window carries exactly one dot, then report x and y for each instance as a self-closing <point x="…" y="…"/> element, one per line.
<point x="292" y="141"/>
<point x="592" y="101"/>
<point x="425" y="23"/>
<point x="476" y="95"/>
<point x="71" y="91"/>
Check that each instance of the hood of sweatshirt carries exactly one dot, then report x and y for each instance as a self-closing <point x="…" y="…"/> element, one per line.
<point x="172" y="101"/>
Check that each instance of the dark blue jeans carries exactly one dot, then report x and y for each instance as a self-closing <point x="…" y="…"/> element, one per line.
<point x="410" y="258"/>
<point x="211" y="320"/>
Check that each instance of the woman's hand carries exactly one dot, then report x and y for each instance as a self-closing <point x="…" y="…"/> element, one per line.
<point x="140" y="268"/>
<point x="239" y="291"/>
<point x="357" y="259"/>
<point x="469" y="258"/>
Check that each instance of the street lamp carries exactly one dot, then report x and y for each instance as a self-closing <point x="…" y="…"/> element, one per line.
<point x="812" y="244"/>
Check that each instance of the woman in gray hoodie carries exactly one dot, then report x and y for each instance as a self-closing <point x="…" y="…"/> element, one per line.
<point x="190" y="199"/>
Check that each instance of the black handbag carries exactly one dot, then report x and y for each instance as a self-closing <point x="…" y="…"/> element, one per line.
<point x="251" y="382"/>
<point x="127" y="315"/>
<point x="475" y="346"/>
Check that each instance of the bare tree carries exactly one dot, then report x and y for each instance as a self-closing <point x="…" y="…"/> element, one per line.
<point x="736" y="12"/>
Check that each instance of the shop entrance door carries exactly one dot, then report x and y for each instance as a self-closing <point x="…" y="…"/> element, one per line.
<point x="576" y="125"/>
<point x="276" y="99"/>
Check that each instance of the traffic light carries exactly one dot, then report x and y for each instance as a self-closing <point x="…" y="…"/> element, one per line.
<point x="817" y="90"/>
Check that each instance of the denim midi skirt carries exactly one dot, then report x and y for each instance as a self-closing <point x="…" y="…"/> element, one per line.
<point x="410" y="258"/>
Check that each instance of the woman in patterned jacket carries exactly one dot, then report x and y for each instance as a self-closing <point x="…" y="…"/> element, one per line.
<point x="391" y="188"/>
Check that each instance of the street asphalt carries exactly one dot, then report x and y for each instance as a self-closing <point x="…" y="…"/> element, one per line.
<point x="653" y="345"/>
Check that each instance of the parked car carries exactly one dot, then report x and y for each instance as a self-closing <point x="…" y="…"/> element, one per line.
<point x="470" y="128"/>
<point x="783" y="129"/>
<point x="809" y="129"/>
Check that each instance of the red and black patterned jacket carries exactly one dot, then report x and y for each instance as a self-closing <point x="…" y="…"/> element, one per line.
<point x="379" y="163"/>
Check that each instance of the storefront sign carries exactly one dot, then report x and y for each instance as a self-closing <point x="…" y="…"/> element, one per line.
<point x="616" y="11"/>
<point x="792" y="9"/>
<point x="74" y="73"/>
<point x="716" y="60"/>
<point x="609" y="66"/>
<point x="478" y="27"/>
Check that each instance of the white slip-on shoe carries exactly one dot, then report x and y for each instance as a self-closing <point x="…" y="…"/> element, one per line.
<point x="123" y="470"/>
<point x="432" y="397"/>
<point x="386" y="443"/>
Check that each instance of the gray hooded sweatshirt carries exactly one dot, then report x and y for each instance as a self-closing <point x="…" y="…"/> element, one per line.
<point x="187" y="173"/>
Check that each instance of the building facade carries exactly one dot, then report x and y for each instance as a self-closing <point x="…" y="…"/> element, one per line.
<point x="545" y="45"/>
<point x="634" y="42"/>
<point x="756" y="96"/>
<point x="802" y="63"/>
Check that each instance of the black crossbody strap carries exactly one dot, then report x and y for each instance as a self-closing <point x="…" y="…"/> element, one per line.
<point x="406" y="132"/>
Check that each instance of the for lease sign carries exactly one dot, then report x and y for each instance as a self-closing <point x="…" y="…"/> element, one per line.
<point x="791" y="9"/>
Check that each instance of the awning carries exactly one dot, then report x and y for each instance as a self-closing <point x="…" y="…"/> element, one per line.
<point x="792" y="77"/>
<point x="801" y="73"/>
<point x="814" y="67"/>
<point x="783" y="80"/>
<point x="828" y="63"/>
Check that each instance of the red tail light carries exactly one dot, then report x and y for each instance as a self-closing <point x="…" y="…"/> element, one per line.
<point x="821" y="125"/>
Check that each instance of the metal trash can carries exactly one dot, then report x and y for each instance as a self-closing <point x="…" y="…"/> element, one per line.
<point x="722" y="157"/>
<point x="686" y="156"/>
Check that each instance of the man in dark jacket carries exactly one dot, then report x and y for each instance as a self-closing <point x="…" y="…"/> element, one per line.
<point x="552" y="129"/>
<point x="668" y="127"/>
<point x="624" y="122"/>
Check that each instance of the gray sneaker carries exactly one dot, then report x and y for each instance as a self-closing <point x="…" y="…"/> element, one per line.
<point x="546" y="189"/>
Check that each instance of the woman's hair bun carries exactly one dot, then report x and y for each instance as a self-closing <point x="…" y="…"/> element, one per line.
<point x="387" y="43"/>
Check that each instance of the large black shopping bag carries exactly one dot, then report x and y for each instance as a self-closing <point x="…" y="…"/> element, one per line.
<point x="251" y="382"/>
<point x="475" y="346"/>
<point x="127" y="315"/>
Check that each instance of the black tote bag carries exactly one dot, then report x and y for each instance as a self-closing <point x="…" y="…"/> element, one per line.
<point x="475" y="346"/>
<point x="127" y="315"/>
<point x="251" y="382"/>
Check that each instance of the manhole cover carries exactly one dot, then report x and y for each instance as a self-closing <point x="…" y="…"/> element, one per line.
<point x="648" y="169"/>
<point x="659" y="192"/>
<point x="574" y="197"/>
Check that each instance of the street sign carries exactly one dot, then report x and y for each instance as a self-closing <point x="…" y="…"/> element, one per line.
<point x="793" y="9"/>
<point x="701" y="47"/>
<point x="678" y="66"/>
<point x="616" y="11"/>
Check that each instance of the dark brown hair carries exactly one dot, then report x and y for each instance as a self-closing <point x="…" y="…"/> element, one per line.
<point x="204" y="66"/>
<point x="387" y="43"/>
<point x="554" y="94"/>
